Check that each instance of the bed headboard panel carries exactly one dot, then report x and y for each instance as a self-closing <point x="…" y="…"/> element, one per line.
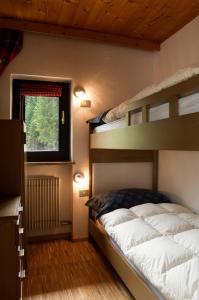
<point x="110" y="169"/>
<point x="111" y="176"/>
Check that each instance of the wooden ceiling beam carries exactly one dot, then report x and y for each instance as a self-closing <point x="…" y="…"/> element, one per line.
<point x="76" y="33"/>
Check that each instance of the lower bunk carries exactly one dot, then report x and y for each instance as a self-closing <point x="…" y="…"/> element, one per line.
<point x="130" y="277"/>
<point x="154" y="248"/>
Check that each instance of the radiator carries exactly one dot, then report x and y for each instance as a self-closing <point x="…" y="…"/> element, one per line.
<point x="42" y="203"/>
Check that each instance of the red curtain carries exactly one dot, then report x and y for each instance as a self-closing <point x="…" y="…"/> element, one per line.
<point x="11" y="43"/>
<point x="40" y="89"/>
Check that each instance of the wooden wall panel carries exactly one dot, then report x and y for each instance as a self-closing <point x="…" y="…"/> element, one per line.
<point x="109" y="156"/>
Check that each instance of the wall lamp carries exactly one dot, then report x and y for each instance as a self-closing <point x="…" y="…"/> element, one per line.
<point x="80" y="94"/>
<point x="79" y="179"/>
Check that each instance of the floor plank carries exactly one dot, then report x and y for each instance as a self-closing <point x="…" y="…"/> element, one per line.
<point x="62" y="270"/>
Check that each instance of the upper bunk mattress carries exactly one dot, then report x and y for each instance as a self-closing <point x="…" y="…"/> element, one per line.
<point x="121" y="123"/>
<point x="180" y="76"/>
<point x="162" y="242"/>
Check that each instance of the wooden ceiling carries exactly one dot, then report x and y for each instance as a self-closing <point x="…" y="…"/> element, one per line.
<point x="133" y="23"/>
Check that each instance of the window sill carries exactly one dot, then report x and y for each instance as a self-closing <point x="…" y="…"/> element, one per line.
<point x="49" y="163"/>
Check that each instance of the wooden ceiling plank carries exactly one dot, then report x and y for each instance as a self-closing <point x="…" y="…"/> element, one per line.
<point x="94" y="19"/>
<point x="148" y="16"/>
<point x="54" y="12"/>
<point x="168" y="17"/>
<point x="113" y="22"/>
<point x="39" y="10"/>
<point x="105" y="15"/>
<point x="138" y="17"/>
<point x="151" y="20"/>
<point x="7" y="8"/>
<point x="134" y="14"/>
<point x="78" y="33"/>
<point x="83" y="12"/>
<point x="67" y="13"/>
<point x="173" y="24"/>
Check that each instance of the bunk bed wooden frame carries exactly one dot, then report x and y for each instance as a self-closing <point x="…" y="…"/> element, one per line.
<point x="140" y="143"/>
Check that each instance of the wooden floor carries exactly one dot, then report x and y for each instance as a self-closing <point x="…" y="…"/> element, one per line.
<point x="63" y="270"/>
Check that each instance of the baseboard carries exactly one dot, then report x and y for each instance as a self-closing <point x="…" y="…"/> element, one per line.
<point x="48" y="238"/>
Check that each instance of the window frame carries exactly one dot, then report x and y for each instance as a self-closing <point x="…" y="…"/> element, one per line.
<point x="18" y="112"/>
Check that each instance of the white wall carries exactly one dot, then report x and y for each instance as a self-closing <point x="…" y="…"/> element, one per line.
<point x="177" y="52"/>
<point x="109" y="74"/>
<point x="179" y="171"/>
<point x="178" y="177"/>
<point x="107" y="177"/>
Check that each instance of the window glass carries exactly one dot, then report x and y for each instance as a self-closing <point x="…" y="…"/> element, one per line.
<point x="45" y="109"/>
<point x="42" y="123"/>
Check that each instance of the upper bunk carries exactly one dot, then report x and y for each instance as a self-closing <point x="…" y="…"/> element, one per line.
<point x="161" y="117"/>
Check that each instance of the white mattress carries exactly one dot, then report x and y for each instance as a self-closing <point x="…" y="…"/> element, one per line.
<point x="186" y="105"/>
<point x="180" y="76"/>
<point x="156" y="113"/>
<point x="136" y="118"/>
<point x="162" y="242"/>
<point x="121" y="123"/>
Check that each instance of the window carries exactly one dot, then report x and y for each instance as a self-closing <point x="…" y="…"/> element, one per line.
<point x="45" y="109"/>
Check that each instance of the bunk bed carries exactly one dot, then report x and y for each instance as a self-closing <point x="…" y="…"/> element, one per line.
<point x="165" y="119"/>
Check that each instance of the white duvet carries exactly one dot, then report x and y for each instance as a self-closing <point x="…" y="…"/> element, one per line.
<point x="162" y="241"/>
